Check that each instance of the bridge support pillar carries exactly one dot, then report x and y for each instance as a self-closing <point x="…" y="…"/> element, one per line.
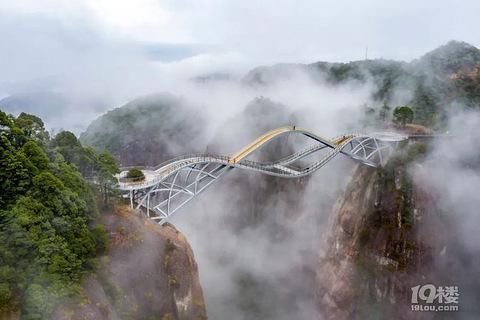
<point x="148" y="205"/>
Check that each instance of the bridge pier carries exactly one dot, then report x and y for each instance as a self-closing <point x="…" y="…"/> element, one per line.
<point x="148" y="205"/>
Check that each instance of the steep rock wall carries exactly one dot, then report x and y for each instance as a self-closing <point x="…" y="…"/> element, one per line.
<point x="149" y="273"/>
<point x="387" y="236"/>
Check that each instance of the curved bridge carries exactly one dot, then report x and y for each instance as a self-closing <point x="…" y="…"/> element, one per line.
<point x="172" y="184"/>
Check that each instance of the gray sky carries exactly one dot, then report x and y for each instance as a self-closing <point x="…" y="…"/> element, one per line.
<point x="247" y="32"/>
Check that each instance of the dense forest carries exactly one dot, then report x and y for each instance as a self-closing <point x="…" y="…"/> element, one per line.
<point x="48" y="209"/>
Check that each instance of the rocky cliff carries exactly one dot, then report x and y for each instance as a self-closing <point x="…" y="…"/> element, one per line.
<point x="149" y="272"/>
<point x="388" y="235"/>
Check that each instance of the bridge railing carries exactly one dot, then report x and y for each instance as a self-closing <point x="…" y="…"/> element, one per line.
<point x="172" y="166"/>
<point x="176" y="159"/>
<point x="296" y="155"/>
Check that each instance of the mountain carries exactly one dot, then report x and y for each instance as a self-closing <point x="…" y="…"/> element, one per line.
<point x="56" y="108"/>
<point x="43" y="103"/>
<point x="433" y="85"/>
<point x="449" y="58"/>
<point x="444" y="60"/>
<point x="214" y="77"/>
<point x="147" y="130"/>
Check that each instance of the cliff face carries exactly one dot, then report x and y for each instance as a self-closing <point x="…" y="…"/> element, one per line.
<point x="387" y="236"/>
<point x="148" y="273"/>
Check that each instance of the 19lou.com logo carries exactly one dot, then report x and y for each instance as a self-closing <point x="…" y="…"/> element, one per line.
<point x="431" y="298"/>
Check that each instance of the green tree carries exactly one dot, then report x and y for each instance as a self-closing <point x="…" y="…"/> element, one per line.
<point x="135" y="174"/>
<point x="67" y="144"/>
<point x="15" y="176"/>
<point x="107" y="168"/>
<point x="402" y="115"/>
<point x="425" y="105"/>
<point x="37" y="158"/>
<point x="65" y="139"/>
<point x="7" y="282"/>
<point x="6" y="121"/>
<point x="32" y="126"/>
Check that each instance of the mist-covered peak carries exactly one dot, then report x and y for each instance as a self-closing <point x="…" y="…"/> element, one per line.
<point x="214" y="77"/>
<point x="453" y="49"/>
<point x="40" y="102"/>
<point x="56" y="108"/>
<point x="147" y="130"/>
<point x="263" y="75"/>
<point x="262" y="106"/>
<point x="450" y="58"/>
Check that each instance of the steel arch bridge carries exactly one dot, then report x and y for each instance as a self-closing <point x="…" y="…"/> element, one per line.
<point x="172" y="184"/>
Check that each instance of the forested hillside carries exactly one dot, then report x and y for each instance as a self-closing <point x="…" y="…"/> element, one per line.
<point x="146" y="131"/>
<point x="48" y="234"/>
<point x="435" y="84"/>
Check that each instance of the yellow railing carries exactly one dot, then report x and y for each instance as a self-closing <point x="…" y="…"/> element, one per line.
<point x="341" y="139"/>
<point x="257" y="143"/>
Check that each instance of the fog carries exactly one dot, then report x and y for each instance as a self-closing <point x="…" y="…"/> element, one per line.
<point x="451" y="174"/>
<point x="257" y="240"/>
<point x="279" y="261"/>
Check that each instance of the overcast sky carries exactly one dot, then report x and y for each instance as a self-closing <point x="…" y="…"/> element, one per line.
<point x="261" y="31"/>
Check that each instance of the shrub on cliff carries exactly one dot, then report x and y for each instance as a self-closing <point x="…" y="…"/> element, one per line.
<point x="135" y="174"/>
<point x="402" y="115"/>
